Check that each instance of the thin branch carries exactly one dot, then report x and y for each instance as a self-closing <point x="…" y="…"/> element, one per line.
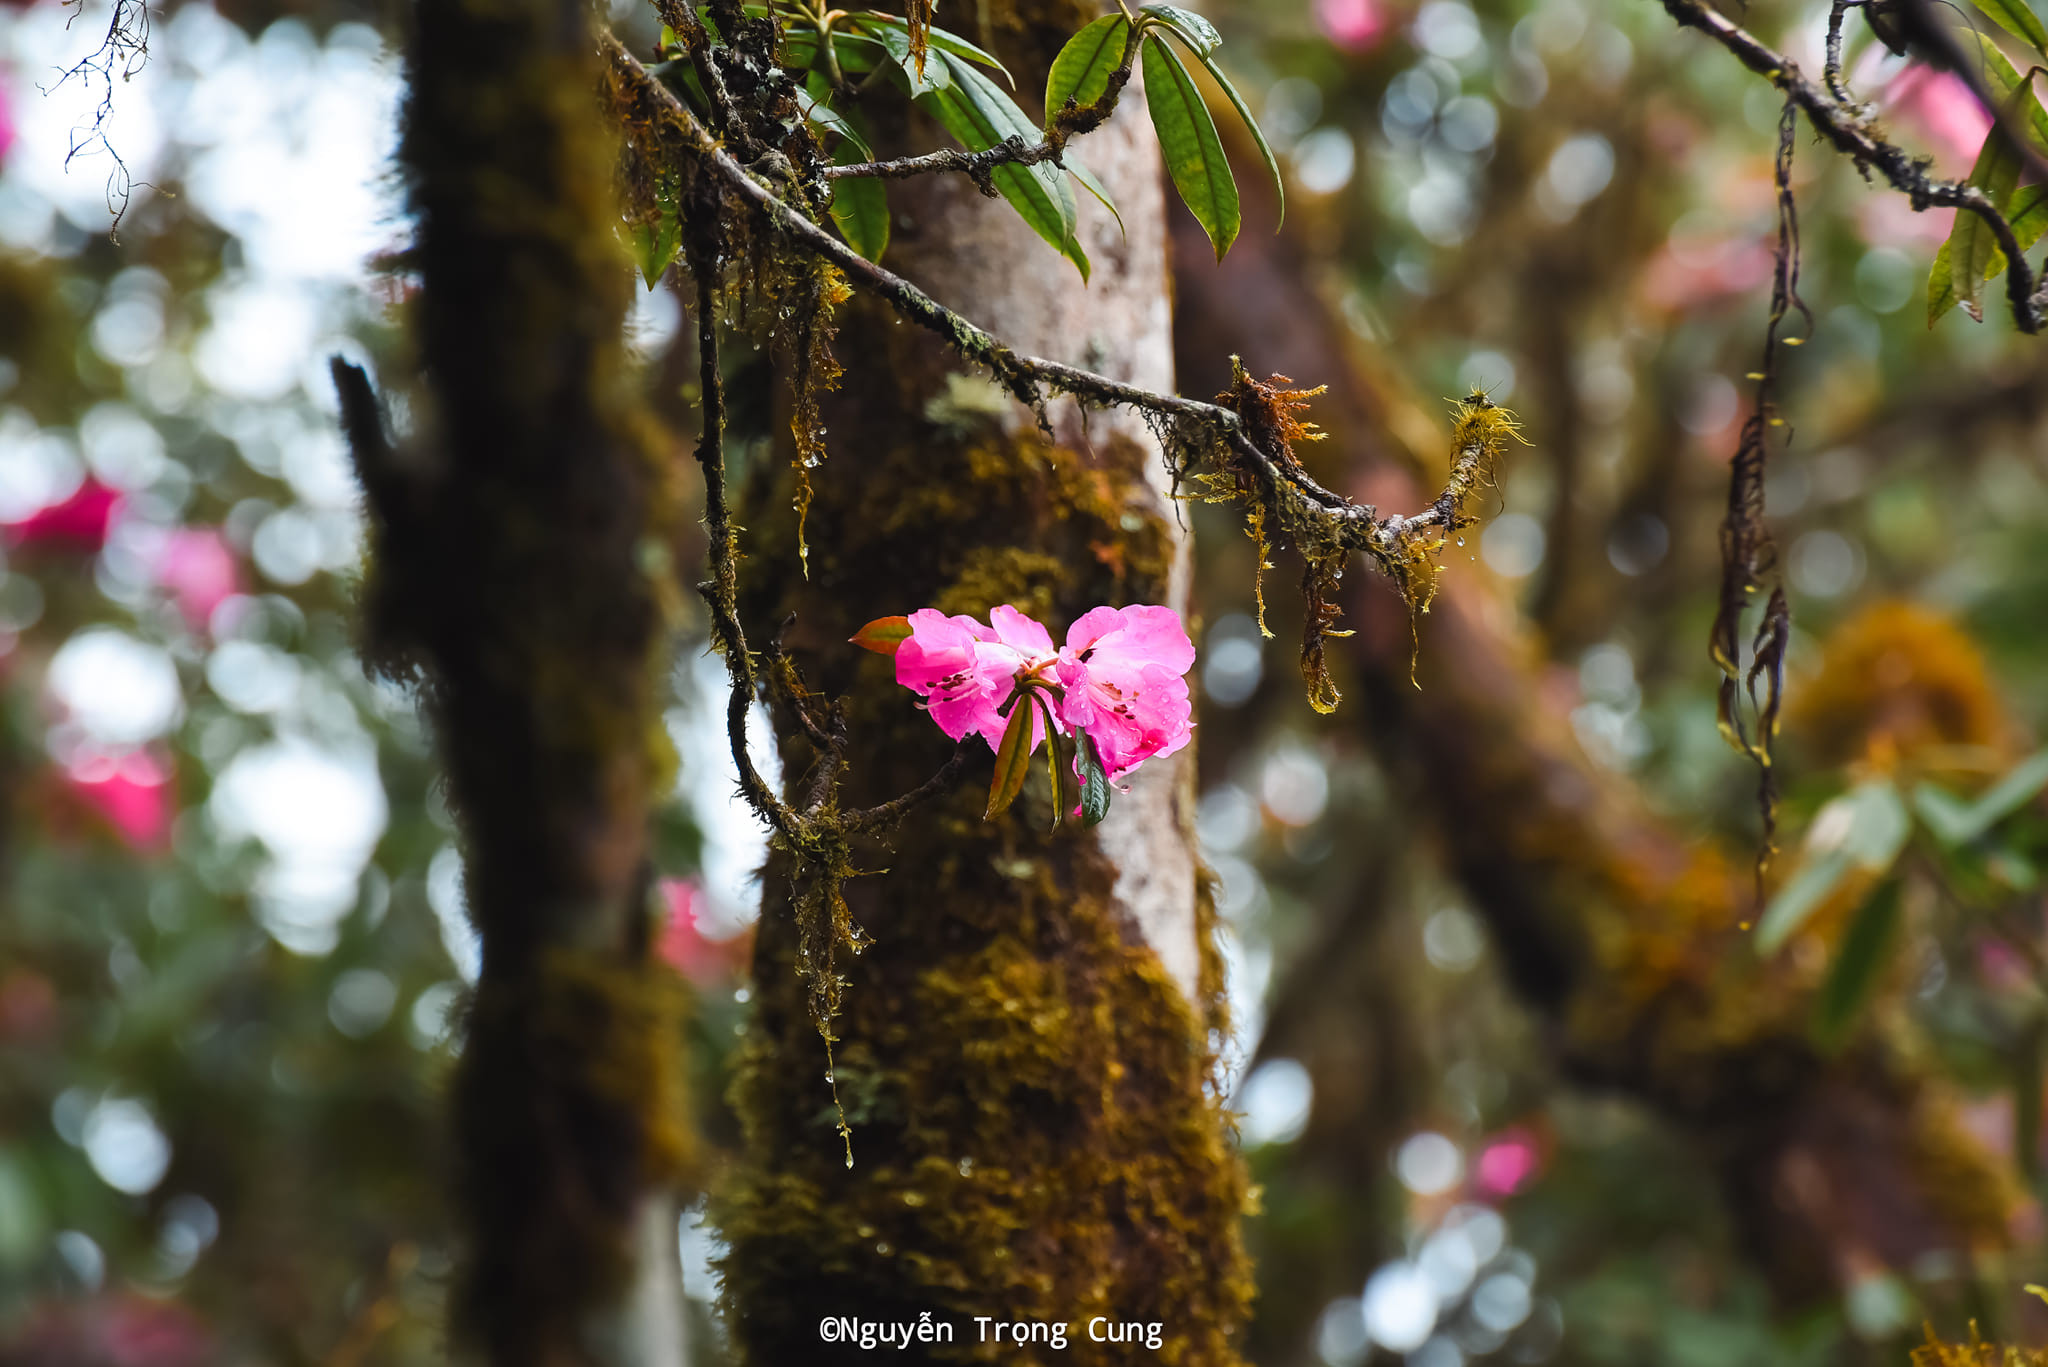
<point x="1358" y="526"/>
<point x="719" y="591"/>
<point x="875" y="818"/>
<point x="1850" y="130"/>
<point x="1832" y="71"/>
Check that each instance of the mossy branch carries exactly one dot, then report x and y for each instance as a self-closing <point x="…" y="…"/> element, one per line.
<point x="1197" y="425"/>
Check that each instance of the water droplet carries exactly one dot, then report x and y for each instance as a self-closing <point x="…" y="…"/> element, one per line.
<point x="1461" y="541"/>
<point x="884" y="1249"/>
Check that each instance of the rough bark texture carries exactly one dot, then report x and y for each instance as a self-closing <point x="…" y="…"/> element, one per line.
<point x="1627" y="939"/>
<point x="519" y="572"/>
<point x="1025" y="1054"/>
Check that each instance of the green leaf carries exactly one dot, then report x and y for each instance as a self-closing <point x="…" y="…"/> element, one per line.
<point x="824" y="117"/>
<point x="937" y="38"/>
<point x="2007" y="87"/>
<point x="1864" y="828"/>
<point x="1955" y="822"/>
<point x="897" y="43"/>
<point x="1859" y="964"/>
<point x="1796" y="901"/>
<point x="1052" y="754"/>
<point x="1187" y="138"/>
<point x="655" y="244"/>
<point x="1013" y="758"/>
<point x="1198" y="33"/>
<point x="1095" y="188"/>
<point x="1095" y="786"/>
<point x="860" y="208"/>
<point x="1973" y="251"/>
<point x="1082" y="70"/>
<point x="2018" y="18"/>
<point x="976" y="111"/>
<point x="857" y="53"/>
<point x="1251" y="126"/>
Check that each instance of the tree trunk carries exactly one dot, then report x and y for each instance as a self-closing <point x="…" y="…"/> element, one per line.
<point x="515" y="573"/>
<point x="1026" y="1051"/>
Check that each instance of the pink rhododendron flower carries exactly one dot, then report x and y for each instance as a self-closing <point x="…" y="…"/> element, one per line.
<point x="131" y="793"/>
<point x="1507" y="1163"/>
<point x="1118" y="683"/>
<point x="197" y="567"/>
<point x="967" y="671"/>
<point x="79" y="523"/>
<point x="1123" y="670"/>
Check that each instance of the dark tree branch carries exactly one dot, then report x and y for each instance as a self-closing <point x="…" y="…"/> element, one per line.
<point x="1850" y="129"/>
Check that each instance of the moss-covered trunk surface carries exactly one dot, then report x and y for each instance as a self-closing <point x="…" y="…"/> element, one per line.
<point x="517" y="572"/>
<point x="1025" y="1050"/>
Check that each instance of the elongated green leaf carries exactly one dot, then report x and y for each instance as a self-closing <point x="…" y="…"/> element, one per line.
<point x="1859" y="964"/>
<point x="860" y="208"/>
<point x="938" y="38"/>
<point x="2006" y="87"/>
<point x="1972" y="248"/>
<point x="1095" y="786"/>
<point x="2027" y="212"/>
<point x="858" y="53"/>
<point x="1199" y="34"/>
<point x="1193" y="152"/>
<point x="826" y="119"/>
<point x="976" y="111"/>
<point x="1796" y="901"/>
<point x="2018" y="18"/>
<point x="896" y="41"/>
<point x="1081" y="72"/>
<point x="1251" y="126"/>
<point x="1095" y="188"/>
<point x="1052" y="754"/>
<point x="1955" y="822"/>
<point x="1013" y="758"/>
<point x="654" y="246"/>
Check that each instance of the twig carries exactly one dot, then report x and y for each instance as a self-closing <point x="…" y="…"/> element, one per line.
<point x="1850" y="130"/>
<point x="720" y="589"/>
<point x="1359" y="526"/>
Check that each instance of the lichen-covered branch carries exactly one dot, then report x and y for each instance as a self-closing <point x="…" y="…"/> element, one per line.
<point x="1237" y="435"/>
<point x="1850" y="128"/>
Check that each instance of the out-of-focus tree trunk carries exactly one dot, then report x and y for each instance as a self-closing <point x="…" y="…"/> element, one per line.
<point x="518" y="573"/>
<point x="1626" y="939"/>
<point x="1025" y="1052"/>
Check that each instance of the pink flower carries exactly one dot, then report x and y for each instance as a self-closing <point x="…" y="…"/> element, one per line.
<point x="967" y="671"/>
<point x="1351" y="23"/>
<point x="132" y="794"/>
<point x="683" y="945"/>
<point x="197" y="568"/>
<point x="1946" y="109"/>
<point x="79" y="523"/>
<point x="1507" y="1163"/>
<point x="1124" y="670"/>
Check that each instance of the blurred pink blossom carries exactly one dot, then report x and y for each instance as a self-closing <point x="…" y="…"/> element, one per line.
<point x="6" y="126"/>
<point x="131" y="793"/>
<point x="198" y="568"/>
<point x="1944" y="110"/>
<point x="1507" y="1162"/>
<point x="79" y="523"/>
<point x="1351" y="23"/>
<point x="683" y="945"/>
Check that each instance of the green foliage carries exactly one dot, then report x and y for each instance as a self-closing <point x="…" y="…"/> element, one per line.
<point x="1193" y="151"/>
<point x="2018" y="18"/>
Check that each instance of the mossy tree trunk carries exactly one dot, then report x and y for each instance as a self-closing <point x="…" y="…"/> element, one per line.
<point x="520" y="548"/>
<point x="1025" y="1052"/>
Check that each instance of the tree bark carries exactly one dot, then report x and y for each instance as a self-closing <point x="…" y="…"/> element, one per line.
<point x="518" y="574"/>
<point x="1025" y="1055"/>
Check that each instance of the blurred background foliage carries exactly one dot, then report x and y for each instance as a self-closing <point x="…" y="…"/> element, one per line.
<point x="233" y="943"/>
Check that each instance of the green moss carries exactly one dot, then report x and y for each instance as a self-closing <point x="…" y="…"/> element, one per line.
<point x="1035" y="1131"/>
